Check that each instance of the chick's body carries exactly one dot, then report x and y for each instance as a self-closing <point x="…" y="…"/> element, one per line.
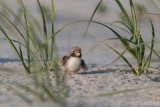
<point x="73" y="64"/>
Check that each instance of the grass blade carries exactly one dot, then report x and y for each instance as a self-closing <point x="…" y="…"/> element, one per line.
<point x="154" y="51"/>
<point x="48" y="92"/>
<point x="14" y="49"/>
<point x="98" y="5"/>
<point x="147" y="63"/>
<point x="123" y="41"/>
<point x="27" y="38"/>
<point x="122" y="23"/>
<point x="125" y="59"/>
<point x="133" y="17"/>
<point x="44" y="28"/>
<point x="125" y="14"/>
<point x="14" y="26"/>
<point x="11" y="12"/>
<point x="52" y="15"/>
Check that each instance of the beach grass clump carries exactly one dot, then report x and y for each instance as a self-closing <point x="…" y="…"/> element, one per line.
<point x="29" y="38"/>
<point x="134" y="43"/>
<point x="34" y="45"/>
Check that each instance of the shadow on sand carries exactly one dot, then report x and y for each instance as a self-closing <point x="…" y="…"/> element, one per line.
<point x="98" y="71"/>
<point x="4" y="60"/>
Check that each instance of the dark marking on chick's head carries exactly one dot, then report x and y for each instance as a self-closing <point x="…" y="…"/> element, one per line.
<point x="76" y="52"/>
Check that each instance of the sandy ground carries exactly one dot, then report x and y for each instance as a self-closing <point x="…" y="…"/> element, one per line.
<point x="100" y="86"/>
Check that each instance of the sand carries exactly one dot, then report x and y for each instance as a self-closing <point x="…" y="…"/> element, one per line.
<point x="100" y="86"/>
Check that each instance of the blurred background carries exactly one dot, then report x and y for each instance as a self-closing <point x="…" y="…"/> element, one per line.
<point x="71" y="10"/>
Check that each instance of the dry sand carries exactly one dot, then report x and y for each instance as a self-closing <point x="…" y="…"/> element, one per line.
<point x="87" y="89"/>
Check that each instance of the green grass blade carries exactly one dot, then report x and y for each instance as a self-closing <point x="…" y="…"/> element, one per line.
<point x="124" y="24"/>
<point x="43" y="18"/>
<point x="14" y="41"/>
<point x="14" y="48"/>
<point x="140" y="47"/>
<point x="61" y="29"/>
<point x="11" y="12"/>
<point x="152" y="46"/>
<point x="9" y="41"/>
<point x="130" y="41"/>
<point x="138" y="39"/>
<point x="98" y="5"/>
<point x="44" y="28"/>
<point x="125" y="13"/>
<point x="123" y="41"/>
<point x="119" y="56"/>
<point x="28" y="36"/>
<point x="14" y="26"/>
<point x="154" y="51"/>
<point x="52" y="42"/>
<point x="48" y="92"/>
<point x="20" y="51"/>
<point x="24" y="46"/>
<point x="52" y="15"/>
<point x="133" y="17"/>
<point x="125" y="59"/>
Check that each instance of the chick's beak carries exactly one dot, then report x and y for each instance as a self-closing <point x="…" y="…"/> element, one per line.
<point x="78" y="53"/>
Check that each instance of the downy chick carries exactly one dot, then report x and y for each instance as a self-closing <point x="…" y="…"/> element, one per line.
<point x="73" y="63"/>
